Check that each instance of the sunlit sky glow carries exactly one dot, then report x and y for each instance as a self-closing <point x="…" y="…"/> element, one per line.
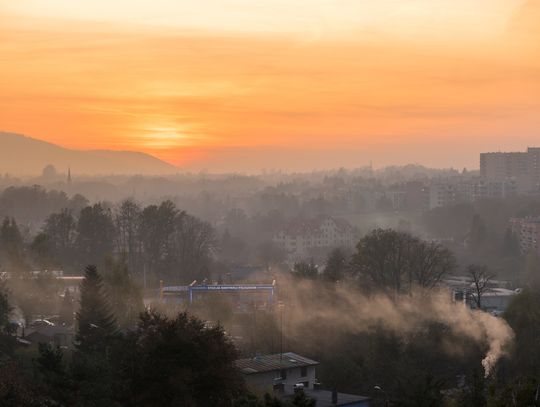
<point x="244" y="85"/>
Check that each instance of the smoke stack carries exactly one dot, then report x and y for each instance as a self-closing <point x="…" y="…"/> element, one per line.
<point x="334" y="397"/>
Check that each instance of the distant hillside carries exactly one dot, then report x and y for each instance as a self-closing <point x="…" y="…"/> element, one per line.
<point x="22" y="155"/>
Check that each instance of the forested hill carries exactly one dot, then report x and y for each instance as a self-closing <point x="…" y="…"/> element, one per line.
<point x="22" y="155"/>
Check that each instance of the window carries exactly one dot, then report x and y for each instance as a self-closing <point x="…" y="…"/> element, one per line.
<point x="283" y="374"/>
<point x="303" y="371"/>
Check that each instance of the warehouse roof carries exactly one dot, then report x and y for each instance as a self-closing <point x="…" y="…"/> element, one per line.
<point x="269" y="363"/>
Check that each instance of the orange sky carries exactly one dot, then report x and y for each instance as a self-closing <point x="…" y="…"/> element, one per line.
<point x="225" y="85"/>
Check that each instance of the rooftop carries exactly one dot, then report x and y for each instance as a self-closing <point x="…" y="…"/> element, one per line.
<point x="324" y="397"/>
<point x="269" y="363"/>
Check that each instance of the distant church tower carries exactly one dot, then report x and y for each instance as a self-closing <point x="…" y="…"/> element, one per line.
<point x="69" y="176"/>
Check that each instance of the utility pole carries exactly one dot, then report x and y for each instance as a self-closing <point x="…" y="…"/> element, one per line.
<point x="281" y="306"/>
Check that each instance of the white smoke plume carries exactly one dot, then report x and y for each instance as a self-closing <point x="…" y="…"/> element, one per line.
<point x="344" y="306"/>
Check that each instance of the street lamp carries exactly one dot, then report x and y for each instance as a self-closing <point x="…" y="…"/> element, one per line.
<point x="379" y="388"/>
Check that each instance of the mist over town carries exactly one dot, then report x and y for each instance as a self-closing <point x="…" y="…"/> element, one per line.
<point x="269" y="204"/>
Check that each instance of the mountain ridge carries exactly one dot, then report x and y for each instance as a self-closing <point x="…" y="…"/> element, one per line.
<point x="25" y="155"/>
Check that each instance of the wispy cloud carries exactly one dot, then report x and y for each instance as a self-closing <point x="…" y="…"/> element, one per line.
<point x="174" y="92"/>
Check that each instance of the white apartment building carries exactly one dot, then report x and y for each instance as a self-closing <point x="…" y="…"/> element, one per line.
<point x="302" y="235"/>
<point x="451" y="192"/>
<point x="262" y="373"/>
<point x="443" y="194"/>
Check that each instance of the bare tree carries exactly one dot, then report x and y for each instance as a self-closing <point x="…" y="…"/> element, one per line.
<point x="127" y="219"/>
<point x="400" y="261"/>
<point x="481" y="278"/>
<point x="430" y="262"/>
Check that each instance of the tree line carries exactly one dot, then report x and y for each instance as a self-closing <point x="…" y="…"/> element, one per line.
<point x="156" y="242"/>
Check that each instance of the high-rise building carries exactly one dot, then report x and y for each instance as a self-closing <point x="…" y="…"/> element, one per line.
<point x="522" y="167"/>
<point x="533" y="154"/>
<point x="527" y="231"/>
<point x="504" y="165"/>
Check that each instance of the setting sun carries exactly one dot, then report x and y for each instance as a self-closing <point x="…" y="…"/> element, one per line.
<point x="353" y="77"/>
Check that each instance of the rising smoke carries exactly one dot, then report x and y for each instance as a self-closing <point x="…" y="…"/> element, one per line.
<point x="308" y="302"/>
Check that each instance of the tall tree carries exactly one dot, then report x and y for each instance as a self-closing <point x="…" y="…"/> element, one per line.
<point x="42" y="251"/>
<point x="128" y="219"/>
<point x="11" y="245"/>
<point x="389" y="259"/>
<point x="336" y="265"/>
<point x="125" y="295"/>
<point x="179" y="362"/>
<point x="194" y="242"/>
<point x="60" y="230"/>
<point x="477" y="233"/>
<point x="480" y="277"/>
<point x="7" y="340"/>
<point x="96" y="234"/>
<point x="95" y="321"/>
<point x="156" y="230"/>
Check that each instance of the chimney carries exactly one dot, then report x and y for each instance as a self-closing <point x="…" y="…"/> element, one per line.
<point x="334" y="397"/>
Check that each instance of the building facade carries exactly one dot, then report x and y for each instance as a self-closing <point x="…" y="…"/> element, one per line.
<point x="265" y="373"/>
<point x="299" y="237"/>
<point x="527" y="231"/>
<point x="523" y="167"/>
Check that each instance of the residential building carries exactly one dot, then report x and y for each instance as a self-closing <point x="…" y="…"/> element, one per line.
<point x="523" y="167"/>
<point x="266" y="373"/>
<point x="527" y="231"/>
<point x="443" y="194"/>
<point x="57" y="335"/>
<point x="501" y="165"/>
<point x="534" y="165"/>
<point x="300" y="236"/>
<point x="285" y="374"/>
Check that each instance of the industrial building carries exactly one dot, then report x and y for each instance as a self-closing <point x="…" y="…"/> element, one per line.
<point x="243" y="296"/>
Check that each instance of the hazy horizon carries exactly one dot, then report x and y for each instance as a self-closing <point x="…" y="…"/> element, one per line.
<point x="285" y="85"/>
<point x="301" y="161"/>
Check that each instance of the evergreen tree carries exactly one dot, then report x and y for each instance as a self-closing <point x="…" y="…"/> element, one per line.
<point x="7" y="340"/>
<point x="41" y="251"/>
<point x="96" y="323"/>
<point x="478" y="232"/>
<point x="11" y="244"/>
<point x="305" y="270"/>
<point x="53" y="374"/>
<point x="125" y="295"/>
<point x="336" y="265"/>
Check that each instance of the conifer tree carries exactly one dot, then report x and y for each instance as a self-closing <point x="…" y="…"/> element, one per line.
<point x="336" y="265"/>
<point x="96" y="323"/>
